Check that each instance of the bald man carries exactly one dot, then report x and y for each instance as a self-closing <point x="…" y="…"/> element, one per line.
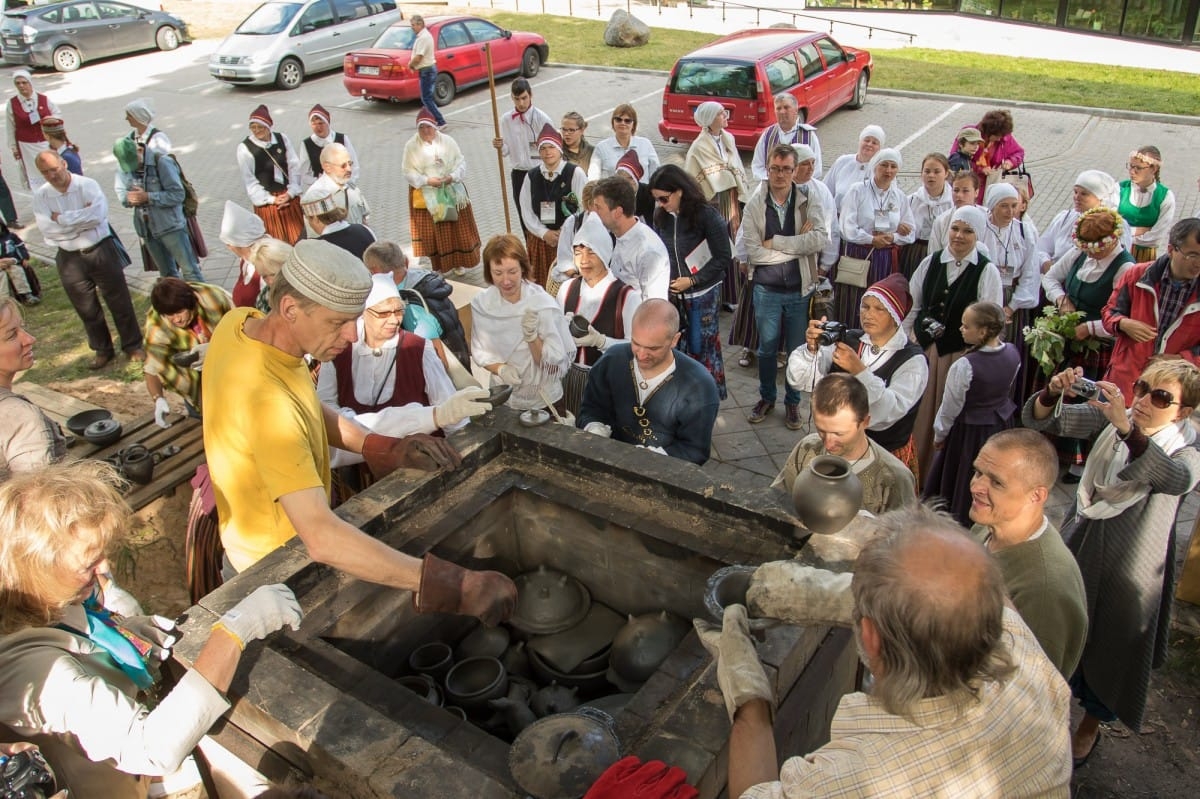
<point x="1014" y="474"/>
<point x="988" y="714"/>
<point x="336" y="179"/>
<point x="643" y="394"/>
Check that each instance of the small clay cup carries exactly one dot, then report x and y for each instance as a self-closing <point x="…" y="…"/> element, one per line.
<point x="434" y="658"/>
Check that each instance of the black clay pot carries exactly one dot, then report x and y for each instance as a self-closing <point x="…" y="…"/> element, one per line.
<point x="137" y="464"/>
<point x="827" y="495"/>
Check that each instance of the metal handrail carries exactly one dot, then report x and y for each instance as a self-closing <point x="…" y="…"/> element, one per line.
<point x="793" y="14"/>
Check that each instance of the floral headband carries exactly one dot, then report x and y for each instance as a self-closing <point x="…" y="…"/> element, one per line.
<point x="1094" y="248"/>
<point x="1145" y="158"/>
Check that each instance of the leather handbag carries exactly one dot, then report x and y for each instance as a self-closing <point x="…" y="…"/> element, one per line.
<point x="853" y="271"/>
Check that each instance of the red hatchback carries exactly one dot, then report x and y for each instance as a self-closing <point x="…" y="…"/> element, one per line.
<point x="746" y="70"/>
<point x="382" y="73"/>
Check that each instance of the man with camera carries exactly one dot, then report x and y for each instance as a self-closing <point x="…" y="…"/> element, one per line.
<point x="880" y="356"/>
<point x="783" y="233"/>
<point x="841" y="415"/>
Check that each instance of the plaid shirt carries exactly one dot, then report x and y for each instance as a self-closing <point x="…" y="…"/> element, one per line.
<point x="1172" y="299"/>
<point x="164" y="339"/>
<point x="1015" y="742"/>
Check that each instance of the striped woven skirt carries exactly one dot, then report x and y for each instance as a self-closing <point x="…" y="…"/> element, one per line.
<point x="911" y="256"/>
<point x="573" y="385"/>
<point x="284" y="222"/>
<point x="1141" y="253"/>
<point x="846" y="299"/>
<point x="447" y="245"/>
<point x="541" y="258"/>
<point x="1022" y="387"/>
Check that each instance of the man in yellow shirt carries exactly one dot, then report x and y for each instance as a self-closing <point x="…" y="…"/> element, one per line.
<point x="267" y="438"/>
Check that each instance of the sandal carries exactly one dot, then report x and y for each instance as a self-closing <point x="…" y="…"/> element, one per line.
<point x="745" y="359"/>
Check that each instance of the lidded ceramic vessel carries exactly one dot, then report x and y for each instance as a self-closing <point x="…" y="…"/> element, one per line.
<point x="827" y="495"/>
<point x="560" y="756"/>
<point x="548" y="602"/>
<point x="642" y="645"/>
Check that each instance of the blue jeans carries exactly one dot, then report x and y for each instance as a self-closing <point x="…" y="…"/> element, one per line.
<point x="778" y="313"/>
<point x="173" y="253"/>
<point x="427" y="77"/>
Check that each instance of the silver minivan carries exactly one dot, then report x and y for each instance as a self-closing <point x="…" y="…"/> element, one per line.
<point x="284" y="40"/>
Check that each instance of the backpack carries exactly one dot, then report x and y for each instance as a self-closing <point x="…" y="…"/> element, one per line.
<point x="191" y="200"/>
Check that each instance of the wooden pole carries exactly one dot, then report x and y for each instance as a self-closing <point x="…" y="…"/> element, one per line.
<point x="487" y="48"/>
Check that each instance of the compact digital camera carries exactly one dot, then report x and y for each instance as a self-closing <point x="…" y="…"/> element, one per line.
<point x="1085" y="388"/>
<point x="933" y="328"/>
<point x="834" y="332"/>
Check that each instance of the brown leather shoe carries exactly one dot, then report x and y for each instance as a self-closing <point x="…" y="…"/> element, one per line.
<point x="99" y="361"/>
<point x="792" y="416"/>
<point x="138" y="355"/>
<point x="761" y="409"/>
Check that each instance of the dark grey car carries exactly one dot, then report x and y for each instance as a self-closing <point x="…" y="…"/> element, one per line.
<point x="65" y="35"/>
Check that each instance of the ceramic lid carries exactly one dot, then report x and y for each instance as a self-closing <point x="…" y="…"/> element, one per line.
<point x="560" y="756"/>
<point x="548" y="602"/>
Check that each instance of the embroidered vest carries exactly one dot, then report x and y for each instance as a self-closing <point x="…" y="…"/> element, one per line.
<point x="946" y="302"/>
<point x="27" y="131"/>
<point x="1092" y="297"/>
<point x="775" y="135"/>
<point x="609" y="318"/>
<point x="542" y="190"/>
<point x="354" y="239"/>
<point x="314" y="152"/>
<point x="896" y="436"/>
<point x="407" y="374"/>
<point x="266" y="159"/>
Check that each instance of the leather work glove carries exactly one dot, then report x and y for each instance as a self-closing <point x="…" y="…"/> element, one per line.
<point x="630" y="777"/>
<point x="529" y="325"/>
<point x="446" y="587"/>
<point x="161" y="409"/>
<point x="461" y="405"/>
<point x="739" y="671"/>
<point x="268" y="609"/>
<point x="509" y="375"/>
<point x="593" y="338"/>
<point x="599" y="429"/>
<point x="158" y="631"/>
<point x="385" y="454"/>
<point x="798" y="594"/>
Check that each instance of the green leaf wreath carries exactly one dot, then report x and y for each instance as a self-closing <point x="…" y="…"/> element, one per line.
<point x="1052" y="335"/>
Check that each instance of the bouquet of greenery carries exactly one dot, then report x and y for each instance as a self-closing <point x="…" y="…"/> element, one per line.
<point x="1052" y="334"/>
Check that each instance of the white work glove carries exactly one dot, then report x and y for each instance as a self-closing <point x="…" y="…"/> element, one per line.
<point x="799" y="594"/>
<point x="268" y="609"/>
<point x="200" y="350"/>
<point x="599" y="428"/>
<point x="461" y="405"/>
<point x="158" y="631"/>
<point x="659" y="450"/>
<point x="593" y="338"/>
<point x="161" y="409"/>
<point x="509" y="375"/>
<point x="739" y="672"/>
<point x="529" y="325"/>
<point x="117" y="599"/>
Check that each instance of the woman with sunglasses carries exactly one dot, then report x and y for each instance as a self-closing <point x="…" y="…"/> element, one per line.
<point x="608" y="151"/>
<point x="697" y="242"/>
<point x="1122" y="529"/>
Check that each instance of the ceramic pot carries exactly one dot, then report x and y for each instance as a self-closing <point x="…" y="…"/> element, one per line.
<point x="643" y="644"/>
<point x="137" y="464"/>
<point x="549" y="602"/>
<point x="80" y="421"/>
<point x="434" y="658"/>
<point x="554" y="699"/>
<point x="103" y="432"/>
<point x="560" y="756"/>
<point x="827" y="495"/>
<point x="422" y="685"/>
<point x="473" y="682"/>
<point x="485" y="642"/>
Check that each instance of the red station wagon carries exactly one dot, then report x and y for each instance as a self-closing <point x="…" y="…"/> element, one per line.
<point x="746" y="70"/>
<point x="382" y="73"/>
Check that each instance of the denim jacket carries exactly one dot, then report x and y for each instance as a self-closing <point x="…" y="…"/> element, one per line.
<point x="161" y="178"/>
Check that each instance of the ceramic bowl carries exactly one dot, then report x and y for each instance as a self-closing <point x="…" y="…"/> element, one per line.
<point x="79" y="422"/>
<point x="471" y="683"/>
<point x="103" y="432"/>
<point x="485" y="642"/>
<point x="434" y="658"/>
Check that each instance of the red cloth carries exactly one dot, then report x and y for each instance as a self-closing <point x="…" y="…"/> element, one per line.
<point x="25" y="130"/>
<point x="1135" y="296"/>
<point x="630" y="778"/>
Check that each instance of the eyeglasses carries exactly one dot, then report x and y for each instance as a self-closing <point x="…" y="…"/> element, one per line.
<point x="781" y="170"/>
<point x="1160" y="398"/>
<point x="1138" y="167"/>
<point x="1188" y="257"/>
<point x="662" y="199"/>
<point x="623" y="120"/>
<point x="570" y="130"/>
<point x="395" y="313"/>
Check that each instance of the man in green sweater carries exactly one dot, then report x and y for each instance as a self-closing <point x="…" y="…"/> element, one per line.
<point x="1014" y="473"/>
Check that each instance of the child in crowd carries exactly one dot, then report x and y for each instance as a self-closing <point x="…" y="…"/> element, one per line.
<point x="20" y="280"/>
<point x="930" y="201"/>
<point x="976" y="403"/>
<point x="968" y="144"/>
<point x="1147" y="206"/>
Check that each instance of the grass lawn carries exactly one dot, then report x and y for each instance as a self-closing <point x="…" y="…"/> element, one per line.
<point x="581" y="41"/>
<point x="61" y="352"/>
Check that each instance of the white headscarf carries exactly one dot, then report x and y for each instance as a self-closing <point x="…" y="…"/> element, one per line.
<point x="873" y="130"/>
<point x="141" y="110"/>
<point x="973" y="216"/>
<point x="999" y="191"/>
<point x="239" y="227"/>
<point x="1102" y="185"/>
<point x="707" y="112"/>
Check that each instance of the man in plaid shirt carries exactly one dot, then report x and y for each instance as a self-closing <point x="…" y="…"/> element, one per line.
<point x="180" y="322"/>
<point x="964" y="702"/>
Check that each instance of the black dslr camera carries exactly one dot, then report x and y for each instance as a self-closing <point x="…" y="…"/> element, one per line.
<point x="834" y="332"/>
<point x="933" y="328"/>
<point x="25" y="775"/>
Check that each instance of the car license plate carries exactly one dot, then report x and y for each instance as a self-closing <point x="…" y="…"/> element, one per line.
<point x="368" y="70"/>
<point x="227" y="73"/>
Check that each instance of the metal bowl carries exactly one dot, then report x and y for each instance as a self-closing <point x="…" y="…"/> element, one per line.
<point x="103" y="432"/>
<point x="79" y="422"/>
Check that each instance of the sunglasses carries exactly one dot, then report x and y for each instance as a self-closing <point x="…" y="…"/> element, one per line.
<point x="623" y="120"/>
<point x="396" y="313"/>
<point x="1160" y="398"/>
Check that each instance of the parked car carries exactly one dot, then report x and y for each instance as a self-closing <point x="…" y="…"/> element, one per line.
<point x="65" y="35"/>
<point x="381" y="72"/>
<point x="284" y="40"/>
<point x="744" y="71"/>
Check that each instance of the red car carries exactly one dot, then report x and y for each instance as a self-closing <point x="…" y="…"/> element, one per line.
<point x="744" y="71"/>
<point x="381" y="72"/>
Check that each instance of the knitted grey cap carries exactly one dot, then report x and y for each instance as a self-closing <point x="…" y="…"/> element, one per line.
<point x="328" y="275"/>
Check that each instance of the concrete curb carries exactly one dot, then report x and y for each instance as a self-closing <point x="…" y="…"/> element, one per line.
<point x="1107" y="113"/>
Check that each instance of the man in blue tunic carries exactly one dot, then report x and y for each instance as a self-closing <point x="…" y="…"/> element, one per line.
<point x="640" y="393"/>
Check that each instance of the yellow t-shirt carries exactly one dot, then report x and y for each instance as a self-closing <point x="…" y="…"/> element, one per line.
<point x="264" y="437"/>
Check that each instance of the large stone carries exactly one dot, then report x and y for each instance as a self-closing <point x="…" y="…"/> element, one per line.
<point x="626" y="30"/>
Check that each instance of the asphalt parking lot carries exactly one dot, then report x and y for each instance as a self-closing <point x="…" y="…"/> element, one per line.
<point x="207" y="119"/>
